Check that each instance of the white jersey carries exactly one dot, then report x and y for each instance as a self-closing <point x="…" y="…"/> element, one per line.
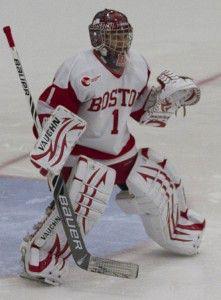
<point x="106" y="99"/>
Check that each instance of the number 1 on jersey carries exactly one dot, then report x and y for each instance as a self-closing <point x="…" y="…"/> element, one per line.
<point x="115" y="121"/>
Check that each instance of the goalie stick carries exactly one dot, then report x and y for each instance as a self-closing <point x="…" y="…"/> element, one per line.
<point x="81" y="256"/>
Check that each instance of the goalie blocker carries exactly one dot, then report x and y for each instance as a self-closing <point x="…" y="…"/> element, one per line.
<point x="58" y="137"/>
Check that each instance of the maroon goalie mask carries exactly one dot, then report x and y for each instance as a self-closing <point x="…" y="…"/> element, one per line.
<point x="111" y="33"/>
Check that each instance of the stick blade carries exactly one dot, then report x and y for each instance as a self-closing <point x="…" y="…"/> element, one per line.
<point x="113" y="268"/>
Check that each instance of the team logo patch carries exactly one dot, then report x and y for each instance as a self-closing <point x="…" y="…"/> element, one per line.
<point x="86" y="81"/>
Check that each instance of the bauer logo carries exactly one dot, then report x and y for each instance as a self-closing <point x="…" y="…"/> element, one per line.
<point x="70" y="223"/>
<point x="22" y="76"/>
<point x="86" y="81"/>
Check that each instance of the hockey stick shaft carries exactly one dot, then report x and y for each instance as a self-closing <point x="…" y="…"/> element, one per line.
<point x="21" y="74"/>
<point x="65" y="210"/>
<point x="57" y="183"/>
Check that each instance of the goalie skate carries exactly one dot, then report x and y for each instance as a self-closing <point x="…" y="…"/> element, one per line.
<point x="46" y="281"/>
<point x="53" y="274"/>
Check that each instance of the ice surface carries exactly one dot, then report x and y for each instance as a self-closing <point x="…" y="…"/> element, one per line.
<point x="183" y="36"/>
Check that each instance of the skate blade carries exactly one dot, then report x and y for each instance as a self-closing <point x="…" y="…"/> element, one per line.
<point x="38" y="279"/>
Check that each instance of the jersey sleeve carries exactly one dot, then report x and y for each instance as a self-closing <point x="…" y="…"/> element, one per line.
<point x="69" y="88"/>
<point x="54" y="96"/>
<point x="138" y="107"/>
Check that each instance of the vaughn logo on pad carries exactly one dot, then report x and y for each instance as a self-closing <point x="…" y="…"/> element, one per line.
<point x="57" y="139"/>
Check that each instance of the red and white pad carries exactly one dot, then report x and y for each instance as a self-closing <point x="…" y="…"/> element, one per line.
<point x="156" y="194"/>
<point x="57" y="139"/>
<point x="90" y="187"/>
<point x="179" y="90"/>
<point x="174" y="91"/>
<point x="45" y="252"/>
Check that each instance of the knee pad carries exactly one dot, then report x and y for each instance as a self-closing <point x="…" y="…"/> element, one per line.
<point x="90" y="186"/>
<point x="155" y="193"/>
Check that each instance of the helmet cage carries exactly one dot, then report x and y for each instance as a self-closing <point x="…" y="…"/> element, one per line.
<point x="112" y="36"/>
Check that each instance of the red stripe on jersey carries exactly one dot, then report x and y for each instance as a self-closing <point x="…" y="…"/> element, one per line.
<point x="66" y="97"/>
<point x="136" y="115"/>
<point x="96" y="154"/>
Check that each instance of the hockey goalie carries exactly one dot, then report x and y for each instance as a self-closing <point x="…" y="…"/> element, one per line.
<point x="91" y="98"/>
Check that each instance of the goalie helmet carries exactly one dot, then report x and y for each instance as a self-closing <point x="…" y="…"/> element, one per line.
<point x="111" y="34"/>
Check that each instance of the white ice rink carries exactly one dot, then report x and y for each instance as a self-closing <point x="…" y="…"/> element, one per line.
<point x="182" y="36"/>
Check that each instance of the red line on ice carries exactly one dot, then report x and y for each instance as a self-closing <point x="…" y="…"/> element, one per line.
<point x="209" y="79"/>
<point x="13" y="161"/>
<point x="24" y="156"/>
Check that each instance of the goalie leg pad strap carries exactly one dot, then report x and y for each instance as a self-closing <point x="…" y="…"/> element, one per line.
<point x="156" y="194"/>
